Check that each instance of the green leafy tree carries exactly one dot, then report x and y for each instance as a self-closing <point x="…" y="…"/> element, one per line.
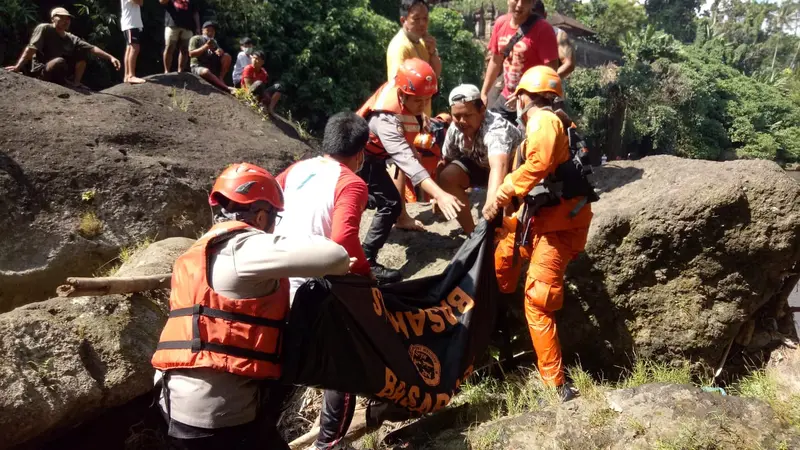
<point x="329" y="55"/>
<point x="462" y="56"/>
<point x="611" y="19"/>
<point x="675" y="17"/>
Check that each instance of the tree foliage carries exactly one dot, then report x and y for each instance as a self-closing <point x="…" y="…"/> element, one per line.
<point x="462" y="56"/>
<point x="611" y="19"/>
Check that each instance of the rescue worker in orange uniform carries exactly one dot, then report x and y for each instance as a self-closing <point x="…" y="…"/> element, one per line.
<point x="394" y="115"/>
<point x="549" y="229"/>
<point x="219" y="353"/>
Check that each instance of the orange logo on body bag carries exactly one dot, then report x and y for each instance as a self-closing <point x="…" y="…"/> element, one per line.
<point x="426" y="363"/>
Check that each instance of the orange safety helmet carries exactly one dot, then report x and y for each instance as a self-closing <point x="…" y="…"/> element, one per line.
<point x="539" y="80"/>
<point x="246" y="183"/>
<point x="416" y="77"/>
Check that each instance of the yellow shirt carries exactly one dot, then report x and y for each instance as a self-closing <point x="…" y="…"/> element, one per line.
<point x="402" y="48"/>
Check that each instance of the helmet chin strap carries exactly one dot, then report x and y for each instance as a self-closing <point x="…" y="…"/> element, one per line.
<point x="521" y="113"/>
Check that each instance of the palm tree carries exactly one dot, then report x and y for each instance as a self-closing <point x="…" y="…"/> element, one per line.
<point x="780" y="19"/>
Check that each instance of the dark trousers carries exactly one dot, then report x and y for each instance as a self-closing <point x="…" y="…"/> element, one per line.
<point x="384" y="198"/>
<point x="334" y="418"/>
<point x="500" y="108"/>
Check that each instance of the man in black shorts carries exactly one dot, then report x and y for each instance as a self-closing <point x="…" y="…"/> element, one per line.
<point x="208" y="60"/>
<point x="477" y="149"/>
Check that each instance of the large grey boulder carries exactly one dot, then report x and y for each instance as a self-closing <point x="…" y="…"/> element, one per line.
<point x="646" y="417"/>
<point x="63" y="361"/>
<point x="681" y="253"/>
<point x="82" y="175"/>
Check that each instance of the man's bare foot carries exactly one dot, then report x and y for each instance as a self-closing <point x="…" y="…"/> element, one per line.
<point x="406" y="222"/>
<point x="135" y="80"/>
<point x="232" y="91"/>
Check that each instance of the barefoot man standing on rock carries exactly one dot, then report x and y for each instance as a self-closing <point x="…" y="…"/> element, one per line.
<point x="394" y="114"/>
<point x="218" y="357"/>
<point x="56" y="55"/>
<point x="131" y="23"/>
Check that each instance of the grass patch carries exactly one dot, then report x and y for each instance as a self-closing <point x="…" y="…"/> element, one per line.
<point x="371" y="441"/>
<point x="585" y="383"/>
<point x="484" y="441"/>
<point x="602" y="417"/>
<point x="763" y="385"/>
<point x="645" y="372"/>
<point x="125" y="254"/>
<point x="180" y="99"/>
<point x="90" y="226"/>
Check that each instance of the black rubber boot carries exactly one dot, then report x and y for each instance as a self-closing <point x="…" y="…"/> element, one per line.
<point x="383" y="274"/>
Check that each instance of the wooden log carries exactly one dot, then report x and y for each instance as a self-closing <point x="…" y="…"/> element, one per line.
<point x="80" y="287"/>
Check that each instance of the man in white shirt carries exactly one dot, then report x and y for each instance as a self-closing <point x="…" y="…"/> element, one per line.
<point x="131" y="23"/>
<point x="242" y="60"/>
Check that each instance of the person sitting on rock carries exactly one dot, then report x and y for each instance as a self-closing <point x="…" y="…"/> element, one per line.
<point x="208" y="60"/>
<point x="56" y="55"/>
<point x="394" y="114"/>
<point x="242" y="60"/>
<point x="325" y="197"/>
<point x="550" y="228"/>
<point x="476" y="150"/>
<point x="254" y="78"/>
<point x="218" y="357"/>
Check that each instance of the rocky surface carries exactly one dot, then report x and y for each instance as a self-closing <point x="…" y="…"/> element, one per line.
<point x="651" y="416"/>
<point x="140" y="159"/>
<point x="63" y="361"/>
<point x="681" y="254"/>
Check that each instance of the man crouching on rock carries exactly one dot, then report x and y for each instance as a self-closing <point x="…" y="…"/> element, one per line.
<point x="219" y="354"/>
<point x="56" y="55"/>
<point x="476" y="150"/>
<point x="551" y="227"/>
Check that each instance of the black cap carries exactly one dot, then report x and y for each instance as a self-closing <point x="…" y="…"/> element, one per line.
<point x="245" y="41"/>
<point x="210" y="23"/>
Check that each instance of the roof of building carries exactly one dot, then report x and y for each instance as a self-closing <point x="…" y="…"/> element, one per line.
<point x="571" y="26"/>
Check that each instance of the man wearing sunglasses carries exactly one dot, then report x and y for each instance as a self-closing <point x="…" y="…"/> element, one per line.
<point x="476" y="149"/>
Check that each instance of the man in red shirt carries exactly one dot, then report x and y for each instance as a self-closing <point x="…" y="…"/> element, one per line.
<point x="536" y="47"/>
<point x="325" y="197"/>
<point x="254" y="79"/>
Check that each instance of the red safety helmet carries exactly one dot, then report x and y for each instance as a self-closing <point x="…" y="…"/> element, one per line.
<point x="246" y="183"/>
<point x="416" y="77"/>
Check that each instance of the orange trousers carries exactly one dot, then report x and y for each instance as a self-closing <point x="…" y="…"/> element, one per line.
<point x="549" y="254"/>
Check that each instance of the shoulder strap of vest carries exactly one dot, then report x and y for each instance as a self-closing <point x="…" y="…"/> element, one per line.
<point x="523" y="29"/>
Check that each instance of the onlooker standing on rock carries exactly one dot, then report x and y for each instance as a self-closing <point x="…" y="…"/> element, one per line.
<point x="242" y="60"/>
<point x="131" y="23"/>
<point x="218" y="357"/>
<point x="57" y="55"/>
<point x="181" y="17"/>
<point x="476" y="150"/>
<point x="566" y="51"/>
<point x="209" y="61"/>
<point x="520" y="40"/>
<point x="254" y="78"/>
<point x="411" y="41"/>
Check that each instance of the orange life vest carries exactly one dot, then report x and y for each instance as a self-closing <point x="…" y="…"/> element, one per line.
<point x="387" y="100"/>
<point x="206" y="329"/>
